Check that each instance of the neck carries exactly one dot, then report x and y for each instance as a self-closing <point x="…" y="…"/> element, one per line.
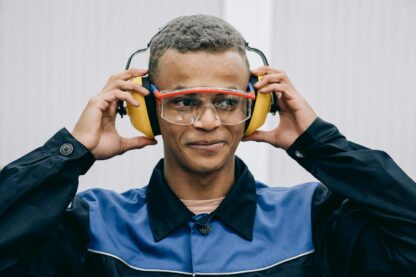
<point x="192" y="185"/>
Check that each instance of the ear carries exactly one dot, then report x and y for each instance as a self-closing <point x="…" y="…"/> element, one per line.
<point x="144" y="117"/>
<point x="259" y="109"/>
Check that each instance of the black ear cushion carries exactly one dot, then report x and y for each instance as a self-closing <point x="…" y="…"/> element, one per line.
<point x="253" y="79"/>
<point x="151" y="107"/>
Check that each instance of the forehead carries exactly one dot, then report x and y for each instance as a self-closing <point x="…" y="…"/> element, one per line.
<point x="194" y="69"/>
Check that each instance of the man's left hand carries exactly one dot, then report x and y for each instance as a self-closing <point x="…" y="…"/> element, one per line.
<point x="295" y="113"/>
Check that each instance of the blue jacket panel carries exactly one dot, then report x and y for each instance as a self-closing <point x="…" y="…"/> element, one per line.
<point x="119" y="227"/>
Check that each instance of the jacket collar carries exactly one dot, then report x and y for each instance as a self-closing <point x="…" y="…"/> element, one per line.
<point x="237" y="210"/>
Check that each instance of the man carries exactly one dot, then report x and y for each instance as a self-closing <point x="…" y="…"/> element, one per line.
<point x="202" y="212"/>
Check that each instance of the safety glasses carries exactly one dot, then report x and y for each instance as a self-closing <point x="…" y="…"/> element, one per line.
<point x="187" y="106"/>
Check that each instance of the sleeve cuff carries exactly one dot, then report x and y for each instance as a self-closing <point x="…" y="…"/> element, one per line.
<point x="319" y="131"/>
<point x="63" y="144"/>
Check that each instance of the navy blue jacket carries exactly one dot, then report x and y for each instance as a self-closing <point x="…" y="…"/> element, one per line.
<point x="359" y="221"/>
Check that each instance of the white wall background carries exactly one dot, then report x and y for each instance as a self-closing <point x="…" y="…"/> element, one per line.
<point x="355" y="62"/>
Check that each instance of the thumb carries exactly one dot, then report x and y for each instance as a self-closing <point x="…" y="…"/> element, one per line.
<point x="136" y="143"/>
<point x="261" y="136"/>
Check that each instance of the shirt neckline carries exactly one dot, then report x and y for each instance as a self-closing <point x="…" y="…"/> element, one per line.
<point x="237" y="210"/>
<point x="204" y="206"/>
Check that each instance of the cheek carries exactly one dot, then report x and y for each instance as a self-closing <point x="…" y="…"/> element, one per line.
<point x="171" y="133"/>
<point x="163" y="125"/>
<point x="237" y="132"/>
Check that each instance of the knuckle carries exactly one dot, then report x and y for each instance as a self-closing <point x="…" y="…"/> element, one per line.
<point x="127" y="86"/>
<point x="119" y="83"/>
<point x="281" y="87"/>
<point x="264" y="80"/>
<point x="135" y="86"/>
<point x="272" y="88"/>
<point x="125" y="95"/>
<point x="113" y="77"/>
<point x="264" y="69"/>
<point x="94" y="100"/>
<point x="118" y="92"/>
<point x="132" y="71"/>
<point x="271" y="79"/>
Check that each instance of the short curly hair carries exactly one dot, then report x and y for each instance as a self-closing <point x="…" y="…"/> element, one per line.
<point x="195" y="33"/>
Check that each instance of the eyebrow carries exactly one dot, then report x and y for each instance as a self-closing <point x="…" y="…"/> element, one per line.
<point x="183" y="87"/>
<point x="179" y="87"/>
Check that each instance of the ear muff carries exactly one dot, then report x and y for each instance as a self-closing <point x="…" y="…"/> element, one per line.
<point x="144" y="117"/>
<point x="259" y="109"/>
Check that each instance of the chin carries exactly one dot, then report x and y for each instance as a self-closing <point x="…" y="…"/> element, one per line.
<point x="207" y="164"/>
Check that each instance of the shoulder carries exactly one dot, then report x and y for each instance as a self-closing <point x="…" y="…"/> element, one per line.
<point x="104" y="198"/>
<point x="286" y="206"/>
<point x="284" y="218"/>
<point x="299" y="193"/>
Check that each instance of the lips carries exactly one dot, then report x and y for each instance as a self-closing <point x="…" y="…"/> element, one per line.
<point x="207" y="145"/>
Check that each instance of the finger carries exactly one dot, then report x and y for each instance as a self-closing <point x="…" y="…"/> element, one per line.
<point x="136" y="143"/>
<point x="120" y="95"/>
<point x="272" y="78"/>
<point x="282" y="92"/>
<point x="260" y="136"/>
<point x="275" y="87"/>
<point x="126" y="86"/>
<point x="111" y="110"/>
<point x="264" y="70"/>
<point x="128" y="74"/>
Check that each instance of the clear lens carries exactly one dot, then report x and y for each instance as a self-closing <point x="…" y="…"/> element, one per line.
<point x="188" y="108"/>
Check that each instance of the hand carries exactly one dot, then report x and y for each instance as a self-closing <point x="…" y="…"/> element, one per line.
<point x="295" y="113"/>
<point x="96" y="128"/>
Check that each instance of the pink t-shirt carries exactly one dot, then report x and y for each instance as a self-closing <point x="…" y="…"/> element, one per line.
<point x="202" y="206"/>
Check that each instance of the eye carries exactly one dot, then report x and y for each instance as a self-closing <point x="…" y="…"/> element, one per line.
<point x="227" y="103"/>
<point x="183" y="102"/>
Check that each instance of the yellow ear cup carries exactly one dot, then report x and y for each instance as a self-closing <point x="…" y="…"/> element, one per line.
<point x="259" y="113"/>
<point x="138" y="115"/>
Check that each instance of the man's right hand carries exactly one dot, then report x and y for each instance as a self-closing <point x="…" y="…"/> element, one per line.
<point x="96" y="128"/>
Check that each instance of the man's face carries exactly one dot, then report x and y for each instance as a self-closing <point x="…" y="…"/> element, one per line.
<point x="207" y="145"/>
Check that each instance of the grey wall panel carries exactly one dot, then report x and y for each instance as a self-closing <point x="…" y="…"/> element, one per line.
<point x="354" y="61"/>
<point x="56" y="55"/>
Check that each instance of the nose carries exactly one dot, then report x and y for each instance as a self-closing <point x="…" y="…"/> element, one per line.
<point x="207" y="119"/>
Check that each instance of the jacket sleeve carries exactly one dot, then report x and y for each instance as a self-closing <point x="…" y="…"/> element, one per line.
<point x="364" y="214"/>
<point x="38" y="231"/>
